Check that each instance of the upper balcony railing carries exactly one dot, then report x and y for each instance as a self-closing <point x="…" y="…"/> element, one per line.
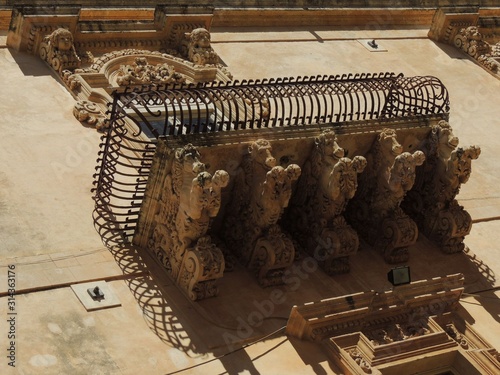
<point x="216" y="107"/>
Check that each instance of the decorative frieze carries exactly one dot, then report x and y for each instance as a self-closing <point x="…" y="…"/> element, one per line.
<point x="142" y="73"/>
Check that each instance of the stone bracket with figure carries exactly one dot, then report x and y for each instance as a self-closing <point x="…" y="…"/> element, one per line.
<point x="375" y="210"/>
<point x="432" y="202"/>
<point x="264" y="201"/>
<point x="187" y="199"/>
<point x="327" y="183"/>
<point x="260" y="194"/>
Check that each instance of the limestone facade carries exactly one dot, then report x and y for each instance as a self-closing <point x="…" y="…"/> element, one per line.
<point x="478" y="37"/>
<point x="261" y="196"/>
<point x="384" y="333"/>
<point x="256" y="224"/>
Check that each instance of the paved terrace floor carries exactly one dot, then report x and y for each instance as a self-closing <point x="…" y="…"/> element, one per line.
<point x="46" y="227"/>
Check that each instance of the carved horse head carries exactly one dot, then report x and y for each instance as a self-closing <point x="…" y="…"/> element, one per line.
<point x="403" y="174"/>
<point x="459" y="165"/>
<point x="387" y="145"/>
<point x="260" y="153"/>
<point x="442" y="140"/>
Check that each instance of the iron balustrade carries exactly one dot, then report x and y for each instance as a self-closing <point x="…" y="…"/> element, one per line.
<point x="138" y="116"/>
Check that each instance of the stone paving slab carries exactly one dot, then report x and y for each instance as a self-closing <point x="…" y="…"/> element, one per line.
<point x="52" y="270"/>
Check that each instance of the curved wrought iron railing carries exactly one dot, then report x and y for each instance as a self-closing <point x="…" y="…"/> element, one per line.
<point x="280" y="102"/>
<point x="139" y="116"/>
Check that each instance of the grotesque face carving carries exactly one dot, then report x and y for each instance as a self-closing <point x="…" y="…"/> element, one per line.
<point x="460" y="162"/>
<point x="62" y="39"/>
<point x="200" y="38"/>
<point x="260" y="151"/>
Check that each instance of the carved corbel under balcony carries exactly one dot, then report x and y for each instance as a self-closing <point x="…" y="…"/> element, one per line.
<point x="89" y="113"/>
<point x="432" y="201"/>
<point x="190" y="199"/>
<point x="375" y="210"/>
<point x="315" y="217"/>
<point x="260" y="194"/>
<point x="58" y="50"/>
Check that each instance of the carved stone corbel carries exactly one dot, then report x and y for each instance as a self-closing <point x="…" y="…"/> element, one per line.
<point x="375" y="210"/>
<point x="315" y="217"/>
<point x="197" y="47"/>
<point x="260" y="194"/>
<point x="58" y="50"/>
<point x="89" y="113"/>
<point x="432" y="201"/>
<point x="470" y="40"/>
<point x="190" y="199"/>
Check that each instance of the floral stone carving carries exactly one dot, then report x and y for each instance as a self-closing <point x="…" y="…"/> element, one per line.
<point x="328" y="181"/>
<point x="190" y="199"/>
<point x="470" y="40"/>
<point x="432" y="201"/>
<point x="59" y="51"/>
<point x="198" y="49"/>
<point x="88" y="112"/>
<point x="142" y="73"/>
<point x="375" y="210"/>
<point x="261" y="192"/>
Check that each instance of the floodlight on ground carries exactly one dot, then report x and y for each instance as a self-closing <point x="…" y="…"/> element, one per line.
<point x="399" y="275"/>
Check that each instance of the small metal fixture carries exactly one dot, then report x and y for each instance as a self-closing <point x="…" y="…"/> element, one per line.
<point x="399" y="275"/>
<point x="373" y="44"/>
<point x="96" y="293"/>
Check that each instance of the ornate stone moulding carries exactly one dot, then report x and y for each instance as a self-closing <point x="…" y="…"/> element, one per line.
<point x="316" y="171"/>
<point x="264" y="217"/>
<point x="411" y="329"/>
<point x="465" y="29"/>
